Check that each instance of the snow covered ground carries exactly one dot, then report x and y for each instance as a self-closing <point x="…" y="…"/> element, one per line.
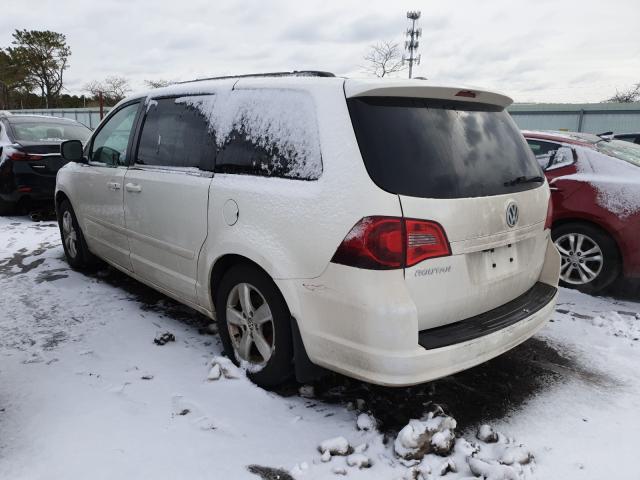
<point x="86" y="393"/>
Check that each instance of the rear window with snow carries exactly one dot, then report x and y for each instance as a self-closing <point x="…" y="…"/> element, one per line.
<point x="267" y="133"/>
<point x="254" y="132"/>
<point x="442" y="148"/>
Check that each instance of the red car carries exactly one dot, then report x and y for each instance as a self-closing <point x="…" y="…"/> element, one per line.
<point x="595" y="184"/>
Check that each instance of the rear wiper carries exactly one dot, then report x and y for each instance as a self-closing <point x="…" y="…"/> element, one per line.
<point x="523" y="179"/>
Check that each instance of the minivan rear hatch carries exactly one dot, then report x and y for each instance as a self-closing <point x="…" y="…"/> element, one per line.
<point x="462" y="163"/>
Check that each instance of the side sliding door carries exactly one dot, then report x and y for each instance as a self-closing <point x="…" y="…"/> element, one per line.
<point x="166" y="192"/>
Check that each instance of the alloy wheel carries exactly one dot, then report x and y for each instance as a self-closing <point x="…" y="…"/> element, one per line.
<point x="582" y="258"/>
<point x="69" y="234"/>
<point x="250" y="324"/>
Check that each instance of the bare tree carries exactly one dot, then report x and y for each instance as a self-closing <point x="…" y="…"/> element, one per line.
<point x="626" y="96"/>
<point x="160" y="82"/>
<point x="384" y="58"/>
<point x="113" y="88"/>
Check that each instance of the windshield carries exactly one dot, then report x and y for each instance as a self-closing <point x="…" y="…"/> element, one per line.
<point x="37" y="130"/>
<point x="442" y="148"/>
<point x="629" y="152"/>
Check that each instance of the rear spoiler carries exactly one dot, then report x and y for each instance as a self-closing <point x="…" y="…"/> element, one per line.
<point x="421" y="89"/>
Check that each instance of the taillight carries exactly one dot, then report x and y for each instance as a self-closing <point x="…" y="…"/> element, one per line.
<point x="425" y="240"/>
<point x="375" y="243"/>
<point x="386" y="243"/>
<point x="549" y="220"/>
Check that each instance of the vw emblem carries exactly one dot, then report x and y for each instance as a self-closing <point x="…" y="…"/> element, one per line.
<point x="512" y="214"/>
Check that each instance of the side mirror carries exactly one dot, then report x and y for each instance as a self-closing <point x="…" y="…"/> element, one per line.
<point x="72" y="151"/>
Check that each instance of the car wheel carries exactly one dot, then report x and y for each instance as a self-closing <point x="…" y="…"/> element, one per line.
<point x="73" y="242"/>
<point x="6" y="208"/>
<point x="590" y="259"/>
<point x="255" y="325"/>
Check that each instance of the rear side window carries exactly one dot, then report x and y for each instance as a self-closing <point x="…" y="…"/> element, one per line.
<point x="441" y="148"/>
<point x="176" y="133"/>
<point x="541" y="148"/>
<point x="268" y="133"/>
<point x="544" y="152"/>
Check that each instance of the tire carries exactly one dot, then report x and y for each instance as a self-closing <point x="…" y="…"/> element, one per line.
<point x="245" y="333"/>
<point x="75" y="247"/>
<point x="593" y="249"/>
<point x="7" y="208"/>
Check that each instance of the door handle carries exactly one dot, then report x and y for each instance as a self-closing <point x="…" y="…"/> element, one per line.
<point x="554" y="189"/>
<point x="113" y="186"/>
<point x="133" y="187"/>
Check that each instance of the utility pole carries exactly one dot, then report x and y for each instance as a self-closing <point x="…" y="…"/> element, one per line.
<point x="411" y="45"/>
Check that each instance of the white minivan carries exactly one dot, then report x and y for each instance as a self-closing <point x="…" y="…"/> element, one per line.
<point x="395" y="231"/>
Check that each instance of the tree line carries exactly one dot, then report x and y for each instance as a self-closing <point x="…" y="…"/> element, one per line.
<point x="32" y="72"/>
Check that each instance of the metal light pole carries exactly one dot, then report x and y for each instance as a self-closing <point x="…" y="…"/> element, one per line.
<point x="101" y="101"/>
<point x="411" y="45"/>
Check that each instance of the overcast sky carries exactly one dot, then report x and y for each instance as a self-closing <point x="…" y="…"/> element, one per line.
<point x="553" y="51"/>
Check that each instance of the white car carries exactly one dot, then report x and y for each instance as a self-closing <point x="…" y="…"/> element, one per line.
<point x="394" y="231"/>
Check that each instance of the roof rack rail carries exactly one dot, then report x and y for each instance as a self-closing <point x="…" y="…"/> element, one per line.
<point x="295" y="73"/>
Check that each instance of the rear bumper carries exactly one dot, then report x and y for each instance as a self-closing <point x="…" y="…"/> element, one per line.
<point x="421" y="365"/>
<point x="364" y="324"/>
<point x="510" y="313"/>
<point x="20" y="182"/>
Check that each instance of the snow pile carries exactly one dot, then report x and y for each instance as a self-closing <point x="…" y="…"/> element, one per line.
<point x="487" y="434"/>
<point x="222" y="367"/>
<point x="417" y="438"/>
<point x="335" y="446"/>
<point x="214" y="373"/>
<point x="358" y="460"/>
<point x="423" y="450"/>
<point x="281" y="121"/>
<point x="501" y="459"/>
<point x="366" y="422"/>
<point x="339" y="446"/>
<point x="491" y="471"/>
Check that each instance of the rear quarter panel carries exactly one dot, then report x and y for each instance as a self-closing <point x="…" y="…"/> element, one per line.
<point x="292" y="228"/>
